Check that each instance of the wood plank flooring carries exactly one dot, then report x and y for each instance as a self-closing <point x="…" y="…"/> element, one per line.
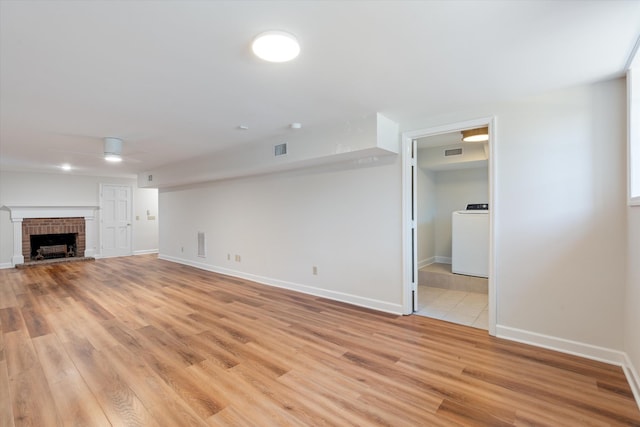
<point x="142" y="342"/>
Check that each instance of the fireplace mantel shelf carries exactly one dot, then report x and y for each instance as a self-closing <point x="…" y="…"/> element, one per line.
<point x="21" y="212"/>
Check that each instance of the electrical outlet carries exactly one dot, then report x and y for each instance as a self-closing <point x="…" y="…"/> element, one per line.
<point x="228" y="257"/>
<point x="315" y="270"/>
<point x="238" y="258"/>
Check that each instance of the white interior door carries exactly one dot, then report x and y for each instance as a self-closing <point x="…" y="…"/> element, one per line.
<point x="115" y="220"/>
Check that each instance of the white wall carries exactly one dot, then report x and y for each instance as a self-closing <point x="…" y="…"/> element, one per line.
<point x="426" y="216"/>
<point x="632" y="296"/>
<point x="454" y="190"/>
<point x="344" y="220"/>
<point x="562" y="227"/>
<point x="33" y="189"/>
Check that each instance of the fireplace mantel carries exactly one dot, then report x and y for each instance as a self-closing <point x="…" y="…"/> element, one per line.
<point x="19" y="213"/>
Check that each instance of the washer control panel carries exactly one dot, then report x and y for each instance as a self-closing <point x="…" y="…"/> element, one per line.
<point x="478" y="207"/>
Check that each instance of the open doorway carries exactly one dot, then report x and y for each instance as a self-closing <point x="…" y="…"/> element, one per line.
<point x="442" y="177"/>
<point x="452" y="220"/>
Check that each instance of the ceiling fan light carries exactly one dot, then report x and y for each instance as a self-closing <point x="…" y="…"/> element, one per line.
<point x="112" y="158"/>
<point x="276" y="46"/>
<point x="113" y="149"/>
<point x="475" y="135"/>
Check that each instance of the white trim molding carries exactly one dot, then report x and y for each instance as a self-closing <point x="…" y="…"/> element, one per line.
<point x="576" y="348"/>
<point x="434" y="260"/>
<point x="145" y="252"/>
<point x="19" y="213"/>
<point x="633" y="377"/>
<point x="423" y="263"/>
<point x="633" y="126"/>
<point x="407" y="209"/>
<point x="333" y="295"/>
<point x="588" y="351"/>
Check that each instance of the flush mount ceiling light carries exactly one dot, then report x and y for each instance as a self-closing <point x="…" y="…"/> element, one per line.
<point x="113" y="149"/>
<point x="65" y="167"/>
<point x="475" y="135"/>
<point x="276" y="46"/>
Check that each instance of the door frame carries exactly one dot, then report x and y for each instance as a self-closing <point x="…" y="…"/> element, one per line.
<point x="409" y="228"/>
<point x="101" y="219"/>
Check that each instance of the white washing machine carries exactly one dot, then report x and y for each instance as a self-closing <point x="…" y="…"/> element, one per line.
<point x="470" y="242"/>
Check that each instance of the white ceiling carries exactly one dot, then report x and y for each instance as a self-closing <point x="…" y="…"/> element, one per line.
<point x="174" y="79"/>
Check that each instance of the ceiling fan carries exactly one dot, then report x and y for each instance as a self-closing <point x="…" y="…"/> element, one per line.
<point x="112" y="150"/>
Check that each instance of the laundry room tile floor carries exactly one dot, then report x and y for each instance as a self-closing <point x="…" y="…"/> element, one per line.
<point x="465" y="308"/>
<point x="452" y="297"/>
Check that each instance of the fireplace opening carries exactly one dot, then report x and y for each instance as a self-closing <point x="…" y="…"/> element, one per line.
<point x="47" y="246"/>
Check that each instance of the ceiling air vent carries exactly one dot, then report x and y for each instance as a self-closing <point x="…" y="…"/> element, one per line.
<point x="453" y="152"/>
<point x="280" y="149"/>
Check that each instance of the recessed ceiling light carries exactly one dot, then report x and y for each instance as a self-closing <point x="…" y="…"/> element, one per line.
<point x="296" y="125"/>
<point x="276" y="46"/>
<point x="65" y="167"/>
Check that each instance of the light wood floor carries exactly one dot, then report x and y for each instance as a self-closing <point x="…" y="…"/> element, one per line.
<point x="139" y="341"/>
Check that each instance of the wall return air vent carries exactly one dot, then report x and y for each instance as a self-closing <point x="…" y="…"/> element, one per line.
<point x="453" y="152"/>
<point x="280" y="149"/>
<point x="202" y="247"/>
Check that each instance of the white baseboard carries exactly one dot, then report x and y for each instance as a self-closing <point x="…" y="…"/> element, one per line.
<point x="101" y="256"/>
<point x="601" y="354"/>
<point x="588" y="351"/>
<point x="311" y="290"/>
<point x="146" y="252"/>
<point x="434" y="259"/>
<point x="633" y="378"/>
<point x="425" y="262"/>
<point x="6" y="265"/>
<point x="134" y="253"/>
<point x="91" y="252"/>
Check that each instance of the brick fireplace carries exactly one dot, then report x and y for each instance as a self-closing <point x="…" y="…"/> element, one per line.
<point x="53" y="226"/>
<point x="52" y="220"/>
